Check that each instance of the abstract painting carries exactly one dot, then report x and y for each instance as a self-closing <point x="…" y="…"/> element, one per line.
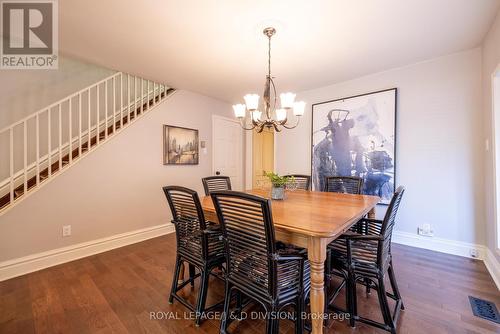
<point x="355" y="136"/>
<point x="180" y="146"/>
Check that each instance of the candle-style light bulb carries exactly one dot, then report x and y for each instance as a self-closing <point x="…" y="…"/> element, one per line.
<point x="239" y="110"/>
<point x="287" y="100"/>
<point x="298" y="108"/>
<point x="252" y="101"/>
<point x="280" y="115"/>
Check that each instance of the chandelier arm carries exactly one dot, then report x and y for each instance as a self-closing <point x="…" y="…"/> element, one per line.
<point x="267" y="98"/>
<point x="244" y="127"/>
<point x="260" y="128"/>
<point x="290" y="127"/>
<point x="274" y="91"/>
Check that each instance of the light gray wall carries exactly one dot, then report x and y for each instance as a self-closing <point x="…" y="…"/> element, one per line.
<point x="439" y="142"/>
<point x="115" y="189"/>
<point x="490" y="61"/>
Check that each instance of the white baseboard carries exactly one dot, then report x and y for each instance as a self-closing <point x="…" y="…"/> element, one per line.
<point x="493" y="266"/>
<point x="451" y="247"/>
<point x="447" y="246"/>
<point x="31" y="263"/>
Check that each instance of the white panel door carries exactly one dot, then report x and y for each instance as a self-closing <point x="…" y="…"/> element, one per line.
<point x="227" y="157"/>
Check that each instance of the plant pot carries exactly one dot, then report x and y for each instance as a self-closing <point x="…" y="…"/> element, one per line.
<point x="278" y="193"/>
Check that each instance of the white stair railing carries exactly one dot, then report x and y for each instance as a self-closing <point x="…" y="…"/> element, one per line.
<point x="40" y="146"/>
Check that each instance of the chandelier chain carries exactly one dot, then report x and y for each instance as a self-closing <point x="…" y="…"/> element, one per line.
<point x="269" y="57"/>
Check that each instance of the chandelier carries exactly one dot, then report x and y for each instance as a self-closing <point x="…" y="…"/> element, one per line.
<point x="251" y="105"/>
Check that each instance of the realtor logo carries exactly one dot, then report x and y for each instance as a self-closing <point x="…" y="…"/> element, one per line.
<point x="29" y="34"/>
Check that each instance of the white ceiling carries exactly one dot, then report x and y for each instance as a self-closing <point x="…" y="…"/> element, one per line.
<point x="217" y="48"/>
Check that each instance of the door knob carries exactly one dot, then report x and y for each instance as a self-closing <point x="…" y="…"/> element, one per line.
<point x="217" y="173"/>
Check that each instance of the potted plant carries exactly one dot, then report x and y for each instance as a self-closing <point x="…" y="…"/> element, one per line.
<point x="278" y="184"/>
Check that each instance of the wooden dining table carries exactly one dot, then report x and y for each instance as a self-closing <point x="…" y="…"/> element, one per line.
<point x="311" y="220"/>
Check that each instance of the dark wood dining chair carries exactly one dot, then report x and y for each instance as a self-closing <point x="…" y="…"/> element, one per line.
<point x="344" y="184"/>
<point x="256" y="266"/>
<point x="213" y="183"/>
<point x="198" y="243"/>
<point x="364" y="257"/>
<point x="303" y="182"/>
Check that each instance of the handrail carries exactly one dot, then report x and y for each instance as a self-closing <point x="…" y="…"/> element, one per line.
<point x="91" y="116"/>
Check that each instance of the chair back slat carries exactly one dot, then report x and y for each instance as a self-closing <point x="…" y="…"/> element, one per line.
<point x="303" y="182"/>
<point x="344" y="184"/>
<point x="388" y="226"/>
<point x="189" y="220"/>
<point x="215" y="183"/>
<point x="247" y="226"/>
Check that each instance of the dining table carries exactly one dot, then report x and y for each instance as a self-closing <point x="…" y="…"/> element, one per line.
<point x="311" y="220"/>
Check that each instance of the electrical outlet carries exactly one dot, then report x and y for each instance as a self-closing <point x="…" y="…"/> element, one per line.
<point x="425" y="230"/>
<point x="474" y="253"/>
<point x="66" y="230"/>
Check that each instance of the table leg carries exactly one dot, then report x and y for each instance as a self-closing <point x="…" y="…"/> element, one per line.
<point x="316" y="249"/>
<point x="371" y="213"/>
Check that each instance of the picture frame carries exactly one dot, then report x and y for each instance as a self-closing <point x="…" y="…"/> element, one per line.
<point x="180" y="145"/>
<point x="356" y="136"/>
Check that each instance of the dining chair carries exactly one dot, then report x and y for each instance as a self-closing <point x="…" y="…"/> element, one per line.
<point x="256" y="266"/>
<point x="364" y="257"/>
<point x="344" y="184"/>
<point x="198" y="243"/>
<point x="302" y="182"/>
<point x="213" y="183"/>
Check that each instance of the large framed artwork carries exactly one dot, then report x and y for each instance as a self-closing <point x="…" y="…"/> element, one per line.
<point x="355" y="136"/>
<point x="180" y="146"/>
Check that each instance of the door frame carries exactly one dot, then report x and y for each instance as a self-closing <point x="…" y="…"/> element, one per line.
<point x="495" y="145"/>
<point x="252" y="167"/>
<point x="241" y="171"/>
<point x="249" y="158"/>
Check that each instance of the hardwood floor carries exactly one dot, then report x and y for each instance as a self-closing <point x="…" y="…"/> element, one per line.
<point x="126" y="291"/>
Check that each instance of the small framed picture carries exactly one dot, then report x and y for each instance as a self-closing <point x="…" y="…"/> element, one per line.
<point x="180" y="146"/>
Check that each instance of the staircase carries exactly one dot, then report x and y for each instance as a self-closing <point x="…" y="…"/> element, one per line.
<point x="41" y="146"/>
